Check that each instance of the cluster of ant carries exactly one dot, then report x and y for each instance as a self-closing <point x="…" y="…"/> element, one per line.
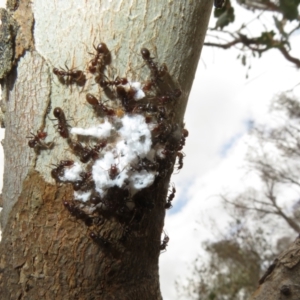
<point x="137" y="144"/>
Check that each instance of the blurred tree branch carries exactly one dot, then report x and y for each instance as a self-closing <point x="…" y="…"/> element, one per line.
<point x="283" y="14"/>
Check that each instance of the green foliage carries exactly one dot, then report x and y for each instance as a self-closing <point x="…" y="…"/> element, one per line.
<point x="266" y="38"/>
<point x="289" y="9"/>
<point x="225" y="18"/>
<point x="234" y="267"/>
<point x="225" y="15"/>
<point x="278" y="20"/>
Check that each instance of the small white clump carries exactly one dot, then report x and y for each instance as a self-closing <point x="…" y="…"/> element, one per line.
<point x="82" y="196"/>
<point x="72" y="173"/>
<point x="159" y="153"/>
<point x="141" y="180"/>
<point x="100" y="131"/>
<point x="136" y="135"/>
<point x="139" y="93"/>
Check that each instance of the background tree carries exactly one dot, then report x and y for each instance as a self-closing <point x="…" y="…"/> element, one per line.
<point x="230" y="267"/>
<point x="265" y="218"/>
<point x="45" y="253"/>
<point x="272" y="27"/>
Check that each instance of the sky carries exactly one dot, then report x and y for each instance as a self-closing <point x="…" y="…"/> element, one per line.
<point x="222" y="106"/>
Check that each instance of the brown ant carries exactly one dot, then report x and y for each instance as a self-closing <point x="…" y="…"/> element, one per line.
<point x="148" y="108"/>
<point x="184" y="135"/>
<point x="94" y="151"/>
<point x="59" y="170"/>
<point x="126" y="233"/>
<point x="85" y="184"/>
<point x="36" y="140"/>
<point x="164" y="243"/>
<point x="118" y="81"/>
<point x="125" y="97"/>
<point x="79" y="150"/>
<point x="86" y="153"/>
<point x="77" y="212"/>
<point x="162" y="132"/>
<point x="180" y="156"/>
<point x="66" y="163"/>
<point x="62" y="126"/>
<point x="96" y="199"/>
<point x="170" y="197"/>
<point x="147" y="86"/>
<point x="71" y="75"/>
<point x="98" y="239"/>
<point x="113" y="171"/>
<point x="145" y="164"/>
<point x="156" y="72"/>
<point x="185" y="132"/>
<point x="97" y="105"/>
<point x="170" y="96"/>
<point x="99" y="58"/>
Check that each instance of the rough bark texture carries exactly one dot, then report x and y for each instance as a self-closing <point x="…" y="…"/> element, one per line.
<point x="46" y="253"/>
<point x="52" y="256"/>
<point x="281" y="281"/>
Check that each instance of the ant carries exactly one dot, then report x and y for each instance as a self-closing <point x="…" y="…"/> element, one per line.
<point x="170" y="96"/>
<point x="157" y="73"/>
<point x="84" y="153"/>
<point x="77" y="212"/>
<point x="125" y="98"/>
<point x="126" y="233"/>
<point x="184" y="135"/>
<point x="97" y="104"/>
<point x="35" y="140"/>
<point x="94" y="151"/>
<point x="98" y="239"/>
<point x="161" y="114"/>
<point x="58" y="171"/>
<point x="180" y="156"/>
<point x="71" y="75"/>
<point x="118" y="81"/>
<point x="145" y="164"/>
<point x="162" y="132"/>
<point x="78" y="149"/>
<point x="96" y="200"/>
<point x="85" y="184"/>
<point x="185" y="132"/>
<point x="99" y="58"/>
<point x="113" y="171"/>
<point x="164" y="243"/>
<point x="147" y="86"/>
<point x="62" y="126"/>
<point x="148" y="108"/>
<point x="170" y="197"/>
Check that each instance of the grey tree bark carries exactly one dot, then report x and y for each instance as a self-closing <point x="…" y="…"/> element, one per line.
<point x="281" y="281"/>
<point x="45" y="253"/>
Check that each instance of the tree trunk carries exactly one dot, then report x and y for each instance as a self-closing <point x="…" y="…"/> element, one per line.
<point x="46" y="252"/>
<point x="281" y="281"/>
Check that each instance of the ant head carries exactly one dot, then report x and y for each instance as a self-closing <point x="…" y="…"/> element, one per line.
<point x="56" y="71"/>
<point x="57" y="112"/>
<point x="102" y="48"/>
<point x="32" y="143"/>
<point x="145" y="53"/>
